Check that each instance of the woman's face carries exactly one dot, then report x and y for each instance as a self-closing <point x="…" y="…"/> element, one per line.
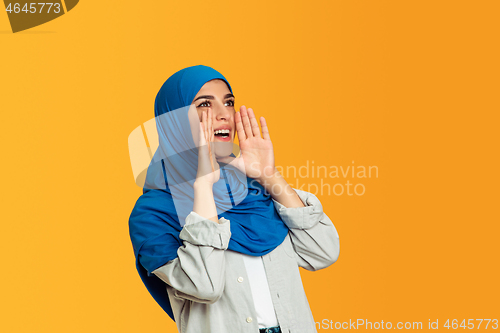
<point x="215" y="95"/>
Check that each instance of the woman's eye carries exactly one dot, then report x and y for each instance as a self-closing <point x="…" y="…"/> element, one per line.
<point x="204" y="104"/>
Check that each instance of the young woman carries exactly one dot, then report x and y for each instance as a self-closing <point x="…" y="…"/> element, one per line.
<point x="218" y="239"/>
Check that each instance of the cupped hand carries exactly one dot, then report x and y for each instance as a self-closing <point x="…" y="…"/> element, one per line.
<point x="208" y="168"/>
<point x="257" y="155"/>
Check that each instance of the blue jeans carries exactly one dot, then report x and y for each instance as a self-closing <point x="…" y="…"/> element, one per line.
<point x="275" y="329"/>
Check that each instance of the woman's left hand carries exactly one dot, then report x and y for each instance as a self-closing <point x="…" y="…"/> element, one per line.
<point x="257" y="155"/>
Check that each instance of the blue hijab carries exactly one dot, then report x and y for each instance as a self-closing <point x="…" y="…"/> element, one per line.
<point x="159" y="214"/>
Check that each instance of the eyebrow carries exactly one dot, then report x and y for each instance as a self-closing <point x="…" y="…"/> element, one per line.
<point x="212" y="97"/>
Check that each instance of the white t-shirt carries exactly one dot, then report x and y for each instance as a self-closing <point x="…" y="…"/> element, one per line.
<point x="260" y="291"/>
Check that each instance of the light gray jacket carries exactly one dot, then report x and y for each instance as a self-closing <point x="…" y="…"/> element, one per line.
<point x="208" y="285"/>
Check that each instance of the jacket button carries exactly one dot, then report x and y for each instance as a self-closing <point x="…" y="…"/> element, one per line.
<point x="240" y="279"/>
<point x="249" y="319"/>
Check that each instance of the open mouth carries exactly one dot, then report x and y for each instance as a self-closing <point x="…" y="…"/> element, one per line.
<point x="222" y="134"/>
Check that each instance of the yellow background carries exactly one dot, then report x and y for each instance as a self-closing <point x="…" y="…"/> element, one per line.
<point x="408" y="86"/>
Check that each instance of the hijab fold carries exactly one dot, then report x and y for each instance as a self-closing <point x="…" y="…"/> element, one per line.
<point x="160" y="212"/>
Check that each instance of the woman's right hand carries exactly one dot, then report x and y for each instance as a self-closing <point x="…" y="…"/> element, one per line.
<point x="208" y="168"/>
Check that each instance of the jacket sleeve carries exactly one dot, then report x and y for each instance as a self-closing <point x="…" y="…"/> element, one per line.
<point x="313" y="235"/>
<point x="197" y="274"/>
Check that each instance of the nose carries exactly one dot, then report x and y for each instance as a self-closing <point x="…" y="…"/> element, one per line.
<point x="221" y="112"/>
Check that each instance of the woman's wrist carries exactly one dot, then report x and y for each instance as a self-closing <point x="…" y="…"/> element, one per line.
<point x="269" y="179"/>
<point x="201" y="184"/>
<point x="280" y="190"/>
<point x="204" y="204"/>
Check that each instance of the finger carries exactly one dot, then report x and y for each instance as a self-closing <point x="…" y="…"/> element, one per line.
<point x="253" y="123"/>
<point x="213" y="160"/>
<point x="205" y="127"/>
<point x="203" y="121"/>
<point x="201" y="141"/>
<point x="210" y="125"/>
<point x="210" y="130"/>
<point x="210" y="133"/>
<point x="265" y="130"/>
<point x="239" y="127"/>
<point x="246" y="122"/>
